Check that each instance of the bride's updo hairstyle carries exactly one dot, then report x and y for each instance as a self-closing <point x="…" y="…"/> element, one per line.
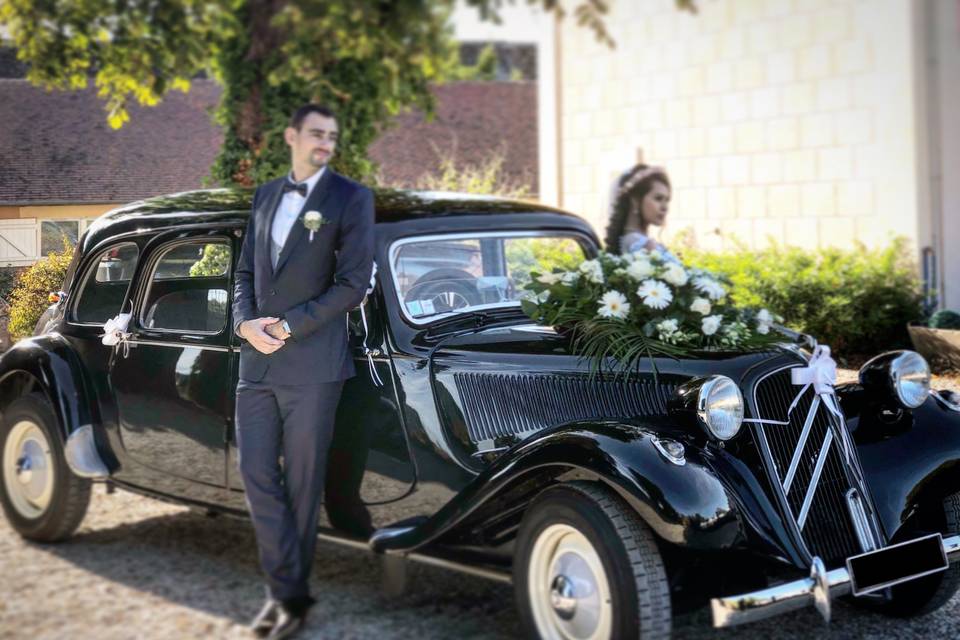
<point x="626" y="197"/>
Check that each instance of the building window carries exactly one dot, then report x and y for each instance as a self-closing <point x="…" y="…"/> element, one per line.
<point x="54" y="233"/>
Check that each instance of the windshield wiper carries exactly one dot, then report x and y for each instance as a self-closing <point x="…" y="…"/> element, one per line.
<point x="471" y="320"/>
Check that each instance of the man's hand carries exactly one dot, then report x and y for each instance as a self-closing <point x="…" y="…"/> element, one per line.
<point x="253" y="332"/>
<point x="276" y="330"/>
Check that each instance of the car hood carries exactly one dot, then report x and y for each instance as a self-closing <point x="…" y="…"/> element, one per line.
<point x="501" y="384"/>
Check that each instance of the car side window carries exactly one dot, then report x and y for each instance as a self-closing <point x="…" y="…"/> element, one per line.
<point x="188" y="288"/>
<point x="105" y="284"/>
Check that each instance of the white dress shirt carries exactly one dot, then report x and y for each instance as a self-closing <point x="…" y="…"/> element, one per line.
<point x="288" y="211"/>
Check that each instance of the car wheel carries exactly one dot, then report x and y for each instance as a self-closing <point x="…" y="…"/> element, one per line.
<point x="586" y="566"/>
<point x="926" y="595"/>
<point x="43" y="500"/>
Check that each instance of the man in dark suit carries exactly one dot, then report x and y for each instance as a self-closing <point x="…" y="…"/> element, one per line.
<point x="306" y="260"/>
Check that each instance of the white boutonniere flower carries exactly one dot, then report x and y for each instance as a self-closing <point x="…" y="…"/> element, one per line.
<point x="313" y="220"/>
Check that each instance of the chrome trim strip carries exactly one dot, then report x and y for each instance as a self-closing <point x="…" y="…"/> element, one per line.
<point x="790" y="596"/>
<point x="801" y="444"/>
<point x="815" y="479"/>
<point x="480" y="572"/>
<point x="181" y="345"/>
<point x="861" y="523"/>
<point x="82" y="455"/>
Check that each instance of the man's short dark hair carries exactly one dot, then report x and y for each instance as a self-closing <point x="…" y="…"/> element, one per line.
<point x="296" y="120"/>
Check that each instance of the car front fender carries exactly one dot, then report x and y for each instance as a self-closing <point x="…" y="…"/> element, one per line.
<point x="910" y="460"/>
<point x="698" y="504"/>
<point x="48" y="364"/>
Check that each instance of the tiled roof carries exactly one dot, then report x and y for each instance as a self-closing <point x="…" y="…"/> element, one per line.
<point x="56" y="147"/>
<point x="473" y="120"/>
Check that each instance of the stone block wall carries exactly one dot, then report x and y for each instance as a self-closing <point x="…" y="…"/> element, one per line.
<point x="790" y="120"/>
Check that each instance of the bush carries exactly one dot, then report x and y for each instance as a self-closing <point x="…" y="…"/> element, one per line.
<point x="945" y="320"/>
<point x="8" y="280"/>
<point x="858" y="301"/>
<point x="485" y="178"/>
<point x="30" y="296"/>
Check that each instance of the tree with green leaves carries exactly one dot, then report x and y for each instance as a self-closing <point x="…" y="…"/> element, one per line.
<point x="368" y="59"/>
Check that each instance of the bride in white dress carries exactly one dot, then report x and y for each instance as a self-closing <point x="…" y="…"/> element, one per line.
<point x="640" y="197"/>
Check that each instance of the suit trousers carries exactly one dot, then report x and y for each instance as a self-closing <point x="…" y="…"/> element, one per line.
<point x="295" y="423"/>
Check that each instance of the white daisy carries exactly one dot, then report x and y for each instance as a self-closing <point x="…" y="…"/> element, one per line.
<point x="655" y="294"/>
<point x="640" y="269"/>
<point x="613" y="304"/>
<point x="549" y="278"/>
<point x="710" y="324"/>
<point x="707" y="285"/>
<point x="675" y="274"/>
<point x="701" y="306"/>
<point x="569" y="277"/>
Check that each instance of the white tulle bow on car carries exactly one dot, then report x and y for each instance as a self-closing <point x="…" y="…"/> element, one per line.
<point x="115" y="331"/>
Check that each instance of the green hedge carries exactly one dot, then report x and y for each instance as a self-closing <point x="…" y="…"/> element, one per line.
<point x="858" y="301"/>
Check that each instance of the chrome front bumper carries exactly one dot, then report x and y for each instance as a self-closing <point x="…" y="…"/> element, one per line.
<point x="817" y="590"/>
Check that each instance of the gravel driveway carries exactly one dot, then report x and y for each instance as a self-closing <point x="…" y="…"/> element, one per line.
<point x="138" y="568"/>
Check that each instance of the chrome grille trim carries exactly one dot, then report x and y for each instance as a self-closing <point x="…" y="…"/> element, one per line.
<point x="826" y="528"/>
<point x="797" y="454"/>
<point x="498" y="405"/>
<point x="815" y="479"/>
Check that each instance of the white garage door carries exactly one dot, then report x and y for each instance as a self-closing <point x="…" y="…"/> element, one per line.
<point x="18" y="242"/>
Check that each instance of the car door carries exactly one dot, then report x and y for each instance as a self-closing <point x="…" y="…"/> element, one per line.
<point x="172" y="378"/>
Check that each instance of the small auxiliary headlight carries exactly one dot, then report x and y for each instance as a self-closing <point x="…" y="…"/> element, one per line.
<point x="720" y="407"/>
<point x="910" y="375"/>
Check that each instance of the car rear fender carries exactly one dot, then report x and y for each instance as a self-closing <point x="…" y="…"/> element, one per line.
<point x="47" y="364"/>
<point x="686" y="503"/>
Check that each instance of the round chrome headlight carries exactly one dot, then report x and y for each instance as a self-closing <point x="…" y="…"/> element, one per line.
<point x="910" y="375"/>
<point x="720" y="407"/>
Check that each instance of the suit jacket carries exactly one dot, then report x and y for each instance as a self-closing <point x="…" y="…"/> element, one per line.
<point x="314" y="285"/>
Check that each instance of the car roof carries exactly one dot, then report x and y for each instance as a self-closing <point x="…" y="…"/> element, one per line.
<point x="232" y="205"/>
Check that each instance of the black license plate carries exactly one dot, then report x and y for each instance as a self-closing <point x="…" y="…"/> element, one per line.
<point x="882" y="568"/>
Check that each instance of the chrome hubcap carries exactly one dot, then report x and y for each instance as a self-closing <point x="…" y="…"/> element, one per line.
<point x="568" y="588"/>
<point x="28" y="472"/>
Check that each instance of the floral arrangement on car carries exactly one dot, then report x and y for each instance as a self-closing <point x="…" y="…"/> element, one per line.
<point x="642" y="304"/>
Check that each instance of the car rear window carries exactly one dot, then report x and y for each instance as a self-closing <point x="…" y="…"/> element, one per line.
<point x="105" y="284"/>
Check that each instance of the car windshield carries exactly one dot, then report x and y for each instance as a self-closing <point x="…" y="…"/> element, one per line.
<point x="441" y="275"/>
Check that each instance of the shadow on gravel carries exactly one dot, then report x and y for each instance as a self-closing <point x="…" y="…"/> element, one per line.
<point x="210" y="565"/>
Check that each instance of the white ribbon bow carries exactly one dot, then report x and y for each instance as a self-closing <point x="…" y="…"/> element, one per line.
<point x="115" y="332"/>
<point x="821" y="373"/>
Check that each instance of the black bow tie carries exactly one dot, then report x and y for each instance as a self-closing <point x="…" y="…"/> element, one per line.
<point x="292" y="186"/>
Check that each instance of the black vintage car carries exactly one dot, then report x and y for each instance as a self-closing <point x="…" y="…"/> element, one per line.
<point x="473" y="439"/>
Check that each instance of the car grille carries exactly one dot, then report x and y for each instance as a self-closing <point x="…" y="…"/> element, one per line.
<point x="508" y="404"/>
<point x="825" y="524"/>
